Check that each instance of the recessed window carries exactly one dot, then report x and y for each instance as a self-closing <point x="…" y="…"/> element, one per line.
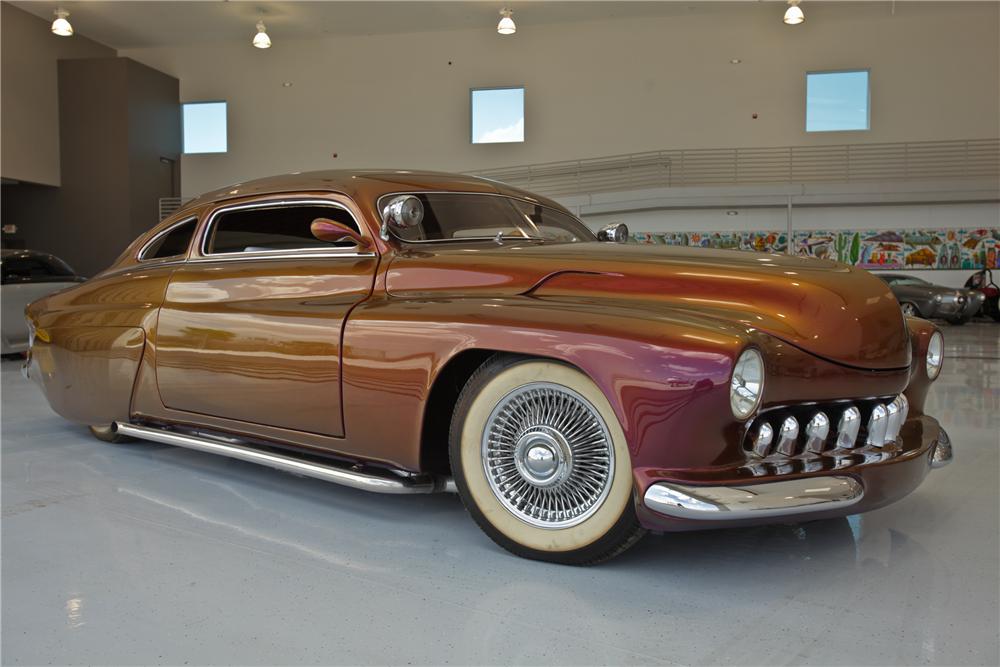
<point x="837" y="101"/>
<point x="204" y="127"/>
<point x="497" y="115"/>
<point x="274" y="228"/>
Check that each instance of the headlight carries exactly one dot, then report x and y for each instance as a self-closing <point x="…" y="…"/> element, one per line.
<point x="935" y="355"/>
<point x="747" y="385"/>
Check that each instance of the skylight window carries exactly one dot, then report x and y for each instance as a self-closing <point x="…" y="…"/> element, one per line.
<point x="204" y="127"/>
<point x="497" y="115"/>
<point x="837" y="101"/>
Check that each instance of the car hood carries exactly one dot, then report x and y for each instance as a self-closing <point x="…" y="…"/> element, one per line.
<point x="831" y="310"/>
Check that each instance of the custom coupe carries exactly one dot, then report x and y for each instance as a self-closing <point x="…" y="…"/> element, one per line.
<point x="414" y="332"/>
<point x="919" y="298"/>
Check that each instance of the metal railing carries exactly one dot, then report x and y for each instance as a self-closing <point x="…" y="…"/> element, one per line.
<point x="844" y="163"/>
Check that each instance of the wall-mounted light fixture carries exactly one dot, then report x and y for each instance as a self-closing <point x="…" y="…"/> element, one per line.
<point x="261" y="40"/>
<point x="61" y="26"/>
<point x="794" y="15"/>
<point x="506" y="25"/>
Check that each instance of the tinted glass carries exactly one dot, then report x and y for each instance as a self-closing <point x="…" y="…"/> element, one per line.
<point x="35" y="268"/>
<point x="274" y="228"/>
<point x="468" y="216"/>
<point x="173" y="243"/>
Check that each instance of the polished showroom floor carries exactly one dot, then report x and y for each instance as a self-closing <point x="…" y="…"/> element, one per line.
<point x="145" y="553"/>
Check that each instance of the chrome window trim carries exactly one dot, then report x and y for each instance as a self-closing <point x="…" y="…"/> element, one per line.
<point x="528" y="200"/>
<point x="277" y="255"/>
<point x="163" y="232"/>
<point x="309" y="253"/>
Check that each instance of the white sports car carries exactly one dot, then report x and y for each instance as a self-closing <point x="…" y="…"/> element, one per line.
<point x="27" y="276"/>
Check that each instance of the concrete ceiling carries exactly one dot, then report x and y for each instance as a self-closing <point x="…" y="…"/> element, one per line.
<point x="132" y="24"/>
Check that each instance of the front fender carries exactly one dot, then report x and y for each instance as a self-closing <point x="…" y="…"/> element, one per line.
<point x="650" y="362"/>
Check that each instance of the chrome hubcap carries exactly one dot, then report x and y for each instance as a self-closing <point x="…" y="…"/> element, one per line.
<point x="548" y="455"/>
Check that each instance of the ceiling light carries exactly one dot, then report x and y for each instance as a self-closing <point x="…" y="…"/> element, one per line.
<point x="261" y="40"/>
<point x="506" y="25"/>
<point x="794" y="15"/>
<point x="61" y="26"/>
<point x="735" y="61"/>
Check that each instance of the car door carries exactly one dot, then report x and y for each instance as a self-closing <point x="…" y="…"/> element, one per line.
<point x="250" y="326"/>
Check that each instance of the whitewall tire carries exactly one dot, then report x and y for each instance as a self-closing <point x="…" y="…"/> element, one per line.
<point x="540" y="461"/>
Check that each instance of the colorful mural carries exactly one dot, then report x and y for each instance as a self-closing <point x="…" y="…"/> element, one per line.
<point x="759" y="241"/>
<point x="869" y="249"/>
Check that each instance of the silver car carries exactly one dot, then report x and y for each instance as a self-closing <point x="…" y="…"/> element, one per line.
<point x="26" y="277"/>
<point x="923" y="299"/>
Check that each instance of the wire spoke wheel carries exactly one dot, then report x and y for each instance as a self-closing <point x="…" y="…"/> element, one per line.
<point x="547" y="455"/>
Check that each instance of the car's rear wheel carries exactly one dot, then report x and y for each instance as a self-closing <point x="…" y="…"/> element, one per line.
<point x="106" y="433"/>
<point x="541" y="463"/>
<point x="910" y="310"/>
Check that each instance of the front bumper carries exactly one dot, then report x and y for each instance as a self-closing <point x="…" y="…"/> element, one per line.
<point x="837" y="490"/>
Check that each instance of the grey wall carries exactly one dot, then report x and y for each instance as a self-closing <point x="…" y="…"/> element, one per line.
<point x="117" y="118"/>
<point x="28" y="86"/>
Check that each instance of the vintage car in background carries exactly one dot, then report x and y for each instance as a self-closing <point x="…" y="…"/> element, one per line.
<point x="25" y="276"/>
<point x="919" y="298"/>
<point x="410" y="332"/>
<point x="981" y="283"/>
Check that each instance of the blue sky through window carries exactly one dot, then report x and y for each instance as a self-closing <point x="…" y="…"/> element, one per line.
<point x="204" y="127"/>
<point x="497" y="115"/>
<point x="837" y="101"/>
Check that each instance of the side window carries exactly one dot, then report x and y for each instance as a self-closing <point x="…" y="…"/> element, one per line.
<point x="173" y="243"/>
<point x="276" y="228"/>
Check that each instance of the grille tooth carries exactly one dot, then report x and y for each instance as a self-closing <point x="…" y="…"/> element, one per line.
<point x="788" y="436"/>
<point x="817" y="431"/>
<point x="848" y="427"/>
<point x="762" y="440"/>
<point x="878" y="423"/>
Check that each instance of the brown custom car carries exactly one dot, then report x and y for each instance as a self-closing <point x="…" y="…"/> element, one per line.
<point x="412" y="332"/>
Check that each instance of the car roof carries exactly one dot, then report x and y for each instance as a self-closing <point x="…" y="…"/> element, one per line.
<point x="9" y="253"/>
<point x="366" y="184"/>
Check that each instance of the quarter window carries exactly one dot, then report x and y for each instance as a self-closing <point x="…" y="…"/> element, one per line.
<point x="274" y="228"/>
<point x="173" y="243"/>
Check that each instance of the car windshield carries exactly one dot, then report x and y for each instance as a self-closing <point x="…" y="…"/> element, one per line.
<point x="460" y="216"/>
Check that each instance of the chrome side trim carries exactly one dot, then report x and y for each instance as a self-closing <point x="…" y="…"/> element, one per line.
<point x="388" y="483"/>
<point x="286" y="255"/>
<point x="942" y="454"/>
<point x="752" y="501"/>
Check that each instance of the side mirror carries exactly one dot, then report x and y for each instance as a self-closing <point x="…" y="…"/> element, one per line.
<point x="402" y="212"/>
<point x="327" y="230"/>
<point x="614" y="233"/>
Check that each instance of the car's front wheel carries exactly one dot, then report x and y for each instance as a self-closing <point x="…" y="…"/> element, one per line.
<point x="541" y="463"/>
<point x="910" y="310"/>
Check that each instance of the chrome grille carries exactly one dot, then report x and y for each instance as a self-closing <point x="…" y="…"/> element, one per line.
<point x="812" y="429"/>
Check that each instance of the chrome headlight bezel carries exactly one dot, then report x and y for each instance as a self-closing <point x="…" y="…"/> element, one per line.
<point x="746" y="385"/>
<point x="935" y="355"/>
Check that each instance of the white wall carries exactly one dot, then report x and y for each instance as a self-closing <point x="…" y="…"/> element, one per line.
<point x="593" y="89"/>
<point x="29" y="89"/>
<point x="972" y="215"/>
